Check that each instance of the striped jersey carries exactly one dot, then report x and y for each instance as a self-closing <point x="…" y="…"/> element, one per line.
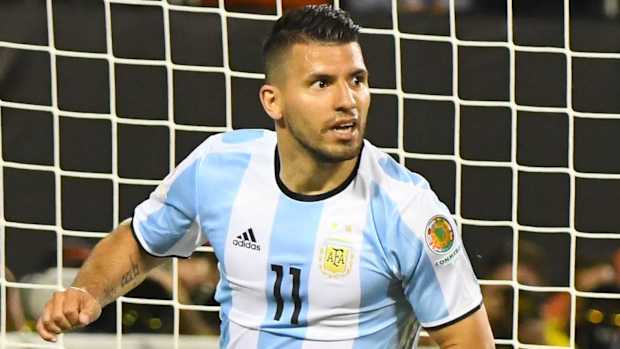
<point x="362" y="266"/>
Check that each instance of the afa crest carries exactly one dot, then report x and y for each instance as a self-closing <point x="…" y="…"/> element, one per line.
<point x="336" y="258"/>
<point x="439" y="235"/>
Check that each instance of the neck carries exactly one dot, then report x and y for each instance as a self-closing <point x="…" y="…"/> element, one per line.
<point x="303" y="173"/>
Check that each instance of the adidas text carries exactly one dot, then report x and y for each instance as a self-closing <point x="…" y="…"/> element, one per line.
<point x="246" y="244"/>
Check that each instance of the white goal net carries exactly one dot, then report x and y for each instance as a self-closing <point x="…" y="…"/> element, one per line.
<point x="509" y="108"/>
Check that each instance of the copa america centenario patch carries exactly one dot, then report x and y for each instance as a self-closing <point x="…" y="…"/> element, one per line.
<point x="439" y="235"/>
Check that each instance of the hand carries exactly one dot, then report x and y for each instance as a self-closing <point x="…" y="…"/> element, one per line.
<point x="72" y="308"/>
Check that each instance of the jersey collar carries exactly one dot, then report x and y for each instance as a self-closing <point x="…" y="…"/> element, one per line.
<point x="317" y="197"/>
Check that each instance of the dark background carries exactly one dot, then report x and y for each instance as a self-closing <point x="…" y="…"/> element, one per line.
<point x="94" y="118"/>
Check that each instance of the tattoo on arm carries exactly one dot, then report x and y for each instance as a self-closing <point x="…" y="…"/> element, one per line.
<point x="111" y="292"/>
<point x="130" y="275"/>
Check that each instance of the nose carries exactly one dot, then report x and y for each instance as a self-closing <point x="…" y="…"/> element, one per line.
<point x="346" y="99"/>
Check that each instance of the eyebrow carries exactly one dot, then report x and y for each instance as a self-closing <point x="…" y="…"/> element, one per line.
<point x="325" y="76"/>
<point x="360" y="71"/>
<point x="320" y="76"/>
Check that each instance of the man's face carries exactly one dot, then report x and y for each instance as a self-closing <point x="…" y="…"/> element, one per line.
<point x="325" y="99"/>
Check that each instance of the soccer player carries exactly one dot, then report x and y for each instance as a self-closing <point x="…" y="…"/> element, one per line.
<point x="323" y="241"/>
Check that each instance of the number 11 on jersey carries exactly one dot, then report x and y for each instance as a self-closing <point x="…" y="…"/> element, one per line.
<point x="277" y="292"/>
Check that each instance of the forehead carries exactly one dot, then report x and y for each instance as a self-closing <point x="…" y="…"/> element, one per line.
<point x="313" y="57"/>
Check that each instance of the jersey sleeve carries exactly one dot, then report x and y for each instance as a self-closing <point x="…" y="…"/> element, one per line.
<point x="437" y="277"/>
<point x="166" y="224"/>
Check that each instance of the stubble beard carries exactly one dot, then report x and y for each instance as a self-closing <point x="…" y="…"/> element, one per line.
<point x="322" y="152"/>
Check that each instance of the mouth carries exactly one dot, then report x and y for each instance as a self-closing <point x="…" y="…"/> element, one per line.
<point x="345" y="130"/>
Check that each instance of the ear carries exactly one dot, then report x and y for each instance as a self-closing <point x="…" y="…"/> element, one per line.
<point x="271" y="99"/>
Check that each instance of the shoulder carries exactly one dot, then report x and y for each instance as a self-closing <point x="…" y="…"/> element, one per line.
<point x="245" y="140"/>
<point x="394" y="180"/>
<point x="227" y="147"/>
<point x="401" y="194"/>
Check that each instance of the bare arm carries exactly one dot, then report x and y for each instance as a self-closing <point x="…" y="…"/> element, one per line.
<point x="116" y="265"/>
<point x="472" y="332"/>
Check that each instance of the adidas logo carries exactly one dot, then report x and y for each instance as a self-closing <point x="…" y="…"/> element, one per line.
<point x="247" y="240"/>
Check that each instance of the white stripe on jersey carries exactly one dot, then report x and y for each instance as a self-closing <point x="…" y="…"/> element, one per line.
<point x="249" y="310"/>
<point x="340" y="223"/>
<point x="242" y="337"/>
<point x="346" y="344"/>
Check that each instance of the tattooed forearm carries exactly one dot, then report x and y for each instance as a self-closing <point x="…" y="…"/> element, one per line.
<point x="109" y="294"/>
<point x="115" y="266"/>
<point x="130" y="275"/>
<point x="128" y="280"/>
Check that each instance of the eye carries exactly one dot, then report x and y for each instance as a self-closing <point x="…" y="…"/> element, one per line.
<point x="358" y="80"/>
<point x="321" y="83"/>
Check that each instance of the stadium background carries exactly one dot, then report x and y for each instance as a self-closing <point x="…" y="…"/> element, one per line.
<point x="515" y="130"/>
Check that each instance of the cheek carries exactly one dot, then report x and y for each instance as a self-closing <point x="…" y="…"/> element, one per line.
<point x="296" y="104"/>
<point x="365" y="100"/>
<point x="306" y="111"/>
<point x="364" y="106"/>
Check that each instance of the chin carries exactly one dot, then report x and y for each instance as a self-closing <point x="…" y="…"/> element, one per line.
<point x="339" y="153"/>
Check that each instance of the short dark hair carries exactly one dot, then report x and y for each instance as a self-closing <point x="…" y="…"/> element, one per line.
<point x="320" y="23"/>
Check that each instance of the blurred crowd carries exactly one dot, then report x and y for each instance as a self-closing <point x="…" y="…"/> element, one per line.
<point x="359" y="5"/>
<point x="607" y="8"/>
<point x="544" y="318"/>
